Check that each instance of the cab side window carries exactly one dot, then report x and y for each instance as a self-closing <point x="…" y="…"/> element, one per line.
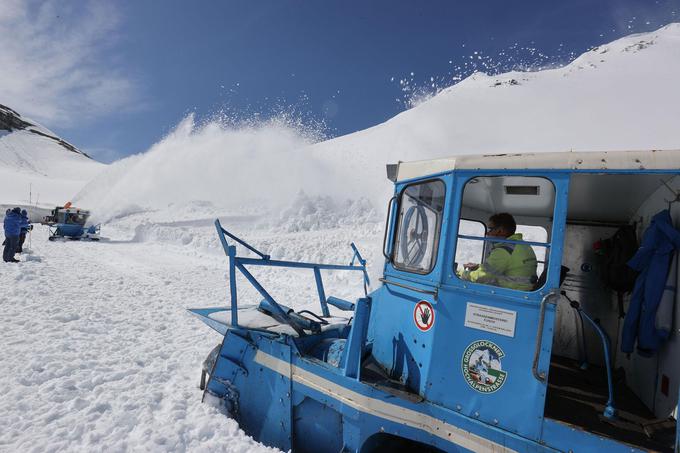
<point x="470" y="250"/>
<point x="533" y="233"/>
<point x="517" y="213"/>
<point x="419" y="223"/>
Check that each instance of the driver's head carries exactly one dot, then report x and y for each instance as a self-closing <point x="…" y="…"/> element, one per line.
<point x="501" y="225"/>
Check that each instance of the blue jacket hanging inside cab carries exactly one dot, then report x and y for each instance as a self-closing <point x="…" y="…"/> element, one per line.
<point x="652" y="260"/>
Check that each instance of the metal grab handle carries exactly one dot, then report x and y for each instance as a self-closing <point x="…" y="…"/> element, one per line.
<point x="387" y="226"/>
<point x="434" y="293"/>
<point x="539" y="335"/>
<point x="609" y="409"/>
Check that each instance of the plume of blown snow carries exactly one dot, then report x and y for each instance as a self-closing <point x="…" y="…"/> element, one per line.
<point x="255" y="165"/>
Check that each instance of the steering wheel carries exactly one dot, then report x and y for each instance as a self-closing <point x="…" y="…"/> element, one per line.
<point x="414" y="235"/>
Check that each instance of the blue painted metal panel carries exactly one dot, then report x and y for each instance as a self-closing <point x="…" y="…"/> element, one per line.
<point x="517" y="404"/>
<point x="69" y="230"/>
<point x="271" y="422"/>
<point x="367" y="423"/>
<point x="317" y="427"/>
<point x="257" y="397"/>
<point x="353" y="354"/>
<point x="398" y="345"/>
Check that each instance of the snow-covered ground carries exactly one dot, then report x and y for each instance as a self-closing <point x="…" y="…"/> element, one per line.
<point x="98" y="351"/>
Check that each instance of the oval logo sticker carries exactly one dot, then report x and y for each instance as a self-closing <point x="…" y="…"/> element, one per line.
<point x="423" y="315"/>
<point x="482" y="366"/>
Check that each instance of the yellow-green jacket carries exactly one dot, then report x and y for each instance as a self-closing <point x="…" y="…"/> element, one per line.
<point x="508" y="265"/>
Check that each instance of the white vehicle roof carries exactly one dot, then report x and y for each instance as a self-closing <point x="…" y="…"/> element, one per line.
<point x="568" y="160"/>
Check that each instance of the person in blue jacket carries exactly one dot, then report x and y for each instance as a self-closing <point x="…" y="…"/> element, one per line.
<point x="12" y="226"/>
<point x="653" y="261"/>
<point x="25" y="228"/>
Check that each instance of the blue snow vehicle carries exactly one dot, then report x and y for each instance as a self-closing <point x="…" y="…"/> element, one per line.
<point x="433" y="360"/>
<point x="69" y="223"/>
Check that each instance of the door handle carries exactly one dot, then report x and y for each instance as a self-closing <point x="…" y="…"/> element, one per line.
<point x="540" y="376"/>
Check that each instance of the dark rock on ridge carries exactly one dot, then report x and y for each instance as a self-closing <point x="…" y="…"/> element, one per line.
<point x="11" y="120"/>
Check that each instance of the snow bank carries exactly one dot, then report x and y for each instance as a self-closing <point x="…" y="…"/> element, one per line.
<point x="309" y="213"/>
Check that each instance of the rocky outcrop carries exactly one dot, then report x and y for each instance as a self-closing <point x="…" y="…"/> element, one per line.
<point x="10" y="120"/>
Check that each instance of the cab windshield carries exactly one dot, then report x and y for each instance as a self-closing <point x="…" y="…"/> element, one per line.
<point x="419" y="221"/>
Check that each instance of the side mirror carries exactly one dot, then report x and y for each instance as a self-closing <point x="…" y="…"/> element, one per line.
<point x="392" y="170"/>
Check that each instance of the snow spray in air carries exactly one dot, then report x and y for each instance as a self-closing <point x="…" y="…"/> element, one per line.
<point x="258" y="164"/>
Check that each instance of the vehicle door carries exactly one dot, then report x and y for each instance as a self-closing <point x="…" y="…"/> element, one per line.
<point x="494" y="335"/>
<point x="403" y="307"/>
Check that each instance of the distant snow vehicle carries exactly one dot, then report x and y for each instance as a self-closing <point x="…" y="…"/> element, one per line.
<point x="430" y="361"/>
<point x="68" y="222"/>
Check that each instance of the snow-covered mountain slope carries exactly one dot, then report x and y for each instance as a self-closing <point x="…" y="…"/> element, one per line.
<point x="621" y="96"/>
<point x="35" y="159"/>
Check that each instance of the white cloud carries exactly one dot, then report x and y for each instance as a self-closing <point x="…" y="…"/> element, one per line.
<point x="56" y="62"/>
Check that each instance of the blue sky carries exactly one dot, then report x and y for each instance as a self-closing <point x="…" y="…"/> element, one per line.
<point x="114" y="77"/>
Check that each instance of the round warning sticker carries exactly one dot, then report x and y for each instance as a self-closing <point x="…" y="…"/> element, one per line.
<point x="423" y="315"/>
<point x="482" y="366"/>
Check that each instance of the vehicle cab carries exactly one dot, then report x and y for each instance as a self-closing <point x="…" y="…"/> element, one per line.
<point x="521" y="354"/>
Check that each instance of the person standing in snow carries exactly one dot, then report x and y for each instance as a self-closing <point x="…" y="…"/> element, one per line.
<point x="12" y="226"/>
<point x="25" y="228"/>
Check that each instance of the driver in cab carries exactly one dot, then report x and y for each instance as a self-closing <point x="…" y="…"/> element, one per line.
<point x="508" y="265"/>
